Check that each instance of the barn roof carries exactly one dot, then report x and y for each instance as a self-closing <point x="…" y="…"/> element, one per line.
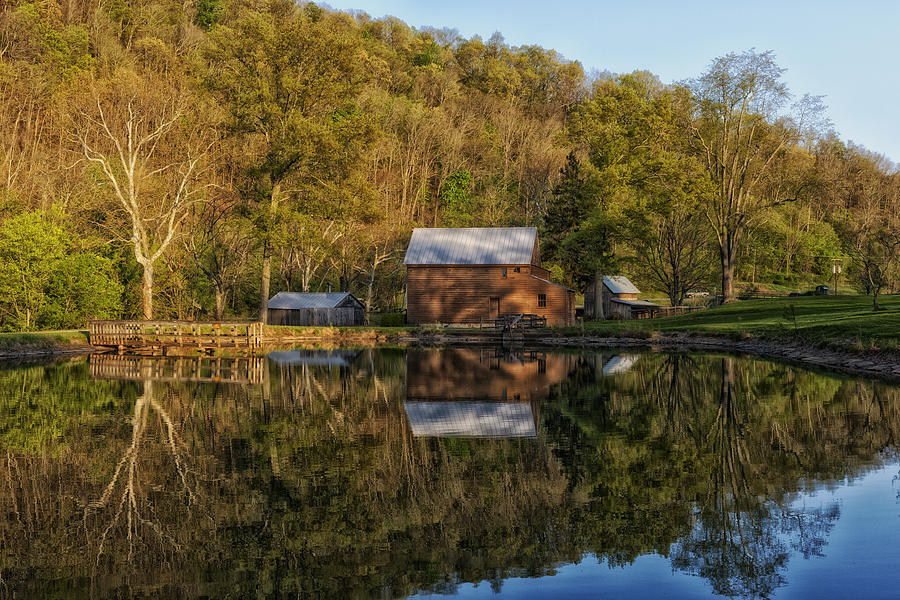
<point x="619" y="284"/>
<point x="299" y="300"/>
<point x="471" y="246"/>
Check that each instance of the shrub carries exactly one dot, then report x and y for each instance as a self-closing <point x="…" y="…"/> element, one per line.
<point x="397" y="319"/>
<point x="45" y="283"/>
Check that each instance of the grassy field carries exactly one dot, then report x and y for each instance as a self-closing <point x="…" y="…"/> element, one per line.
<point x="844" y="321"/>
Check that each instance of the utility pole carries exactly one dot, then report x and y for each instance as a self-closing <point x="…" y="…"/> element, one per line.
<point x="835" y="270"/>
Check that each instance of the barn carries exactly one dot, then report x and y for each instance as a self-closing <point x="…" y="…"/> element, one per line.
<point x="319" y="309"/>
<point x="615" y="297"/>
<point x="468" y="275"/>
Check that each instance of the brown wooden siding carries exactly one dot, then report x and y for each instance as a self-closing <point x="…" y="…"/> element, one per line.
<point x="480" y="374"/>
<point x="462" y="293"/>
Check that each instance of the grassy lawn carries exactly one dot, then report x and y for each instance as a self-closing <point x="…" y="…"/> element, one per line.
<point x="10" y="342"/>
<point x="846" y="321"/>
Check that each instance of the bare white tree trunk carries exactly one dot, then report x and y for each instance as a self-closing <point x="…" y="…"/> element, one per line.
<point x="124" y="138"/>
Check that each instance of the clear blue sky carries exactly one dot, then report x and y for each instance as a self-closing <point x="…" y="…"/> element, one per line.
<point x="846" y="50"/>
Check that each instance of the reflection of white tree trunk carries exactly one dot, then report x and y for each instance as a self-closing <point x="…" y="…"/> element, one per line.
<point x="124" y="493"/>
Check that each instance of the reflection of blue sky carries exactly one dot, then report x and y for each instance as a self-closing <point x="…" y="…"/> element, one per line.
<point x="861" y="558"/>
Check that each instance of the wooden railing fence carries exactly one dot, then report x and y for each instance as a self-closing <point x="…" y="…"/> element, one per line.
<point x="159" y="334"/>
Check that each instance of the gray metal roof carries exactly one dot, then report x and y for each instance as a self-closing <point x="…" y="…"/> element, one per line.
<point x="619" y="284"/>
<point x="637" y="303"/>
<point x="297" y="300"/>
<point x="471" y="246"/>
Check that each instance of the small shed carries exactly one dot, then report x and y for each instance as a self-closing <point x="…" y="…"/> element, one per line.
<point x="316" y="309"/>
<point x="618" y="299"/>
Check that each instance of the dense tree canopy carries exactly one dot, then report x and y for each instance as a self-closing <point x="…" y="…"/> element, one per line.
<point x="214" y="153"/>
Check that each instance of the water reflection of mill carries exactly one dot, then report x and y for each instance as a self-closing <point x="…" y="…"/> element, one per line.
<point x="486" y="392"/>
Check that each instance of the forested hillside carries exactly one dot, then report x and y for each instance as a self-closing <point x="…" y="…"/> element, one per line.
<point x="190" y="159"/>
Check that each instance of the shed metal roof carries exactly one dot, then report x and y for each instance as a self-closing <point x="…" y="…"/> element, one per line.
<point x="619" y="284"/>
<point x="635" y="303"/>
<point x="471" y="246"/>
<point x="299" y="300"/>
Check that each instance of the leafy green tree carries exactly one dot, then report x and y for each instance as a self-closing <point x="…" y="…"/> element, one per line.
<point x="671" y="246"/>
<point x="45" y="282"/>
<point x="287" y="78"/>
<point x="457" y="203"/>
<point x="635" y="132"/>
<point x="208" y="13"/>
<point x="740" y="133"/>
<point x="84" y="287"/>
<point x="31" y="249"/>
<point x="576" y="230"/>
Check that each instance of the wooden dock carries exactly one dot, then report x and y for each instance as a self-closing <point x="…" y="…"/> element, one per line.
<point x="238" y="369"/>
<point x="159" y="336"/>
<point x="515" y="321"/>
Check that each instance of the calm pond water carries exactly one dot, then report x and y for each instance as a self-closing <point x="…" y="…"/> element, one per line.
<point x="478" y="473"/>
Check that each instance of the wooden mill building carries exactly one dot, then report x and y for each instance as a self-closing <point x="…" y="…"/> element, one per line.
<point x="467" y="275"/>
<point x="325" y="309"/>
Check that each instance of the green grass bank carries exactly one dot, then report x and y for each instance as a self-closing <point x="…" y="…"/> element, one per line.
<point x="42" y="342"/>
<point x="845" y="322"/>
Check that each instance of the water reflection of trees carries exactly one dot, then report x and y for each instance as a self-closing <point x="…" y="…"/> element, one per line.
<point x="126" y="515"/>
<point x="708" y="455"/>
<point x="741" y="539"/>
<point x="312" y="483"/>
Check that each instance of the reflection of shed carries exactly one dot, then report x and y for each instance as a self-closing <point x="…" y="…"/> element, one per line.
<point x="621" y="363"/>
<point x="313" y="358"/>
<point x="479" y="392"/>
<point x="618" y="299"/>
<point x="325" y="309"/>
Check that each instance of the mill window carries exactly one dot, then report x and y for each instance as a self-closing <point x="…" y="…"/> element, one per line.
<point x="503" y="273"/>
<point x="542" y="300"/>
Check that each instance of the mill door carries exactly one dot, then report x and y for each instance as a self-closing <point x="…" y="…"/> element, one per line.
<point x="495" y="308"/>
